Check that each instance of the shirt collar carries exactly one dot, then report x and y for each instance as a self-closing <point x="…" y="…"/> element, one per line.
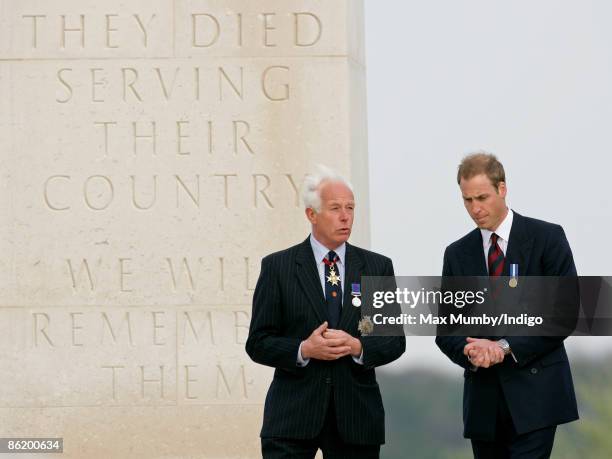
<point x="503" y="230"/>
<point x="320" y="251"/>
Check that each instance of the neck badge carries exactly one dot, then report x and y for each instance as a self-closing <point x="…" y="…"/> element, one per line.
<point x="333" y="277"/>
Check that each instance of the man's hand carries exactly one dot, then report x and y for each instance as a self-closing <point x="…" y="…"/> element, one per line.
<point x="348" y="340"/>
<point x="483" y="352"/>
<point x="317" y="346"/>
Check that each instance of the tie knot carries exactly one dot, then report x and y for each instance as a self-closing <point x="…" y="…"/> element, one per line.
<point x="332" y="257"/>
<point x="494" y="238"/>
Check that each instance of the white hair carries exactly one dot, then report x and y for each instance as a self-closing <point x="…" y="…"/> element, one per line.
<point x="311" y="190"/>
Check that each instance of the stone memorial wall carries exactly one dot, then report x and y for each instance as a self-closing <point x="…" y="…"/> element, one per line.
<point x="151" y="152"/>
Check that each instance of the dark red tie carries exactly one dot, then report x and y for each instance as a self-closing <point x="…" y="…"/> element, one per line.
<point x="496" y="257"/>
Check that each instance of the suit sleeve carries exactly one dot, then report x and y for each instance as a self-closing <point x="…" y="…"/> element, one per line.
<point x="266" y="344"/>
<point x="452" y="346"/>
<point x="380" y="350"/>
<point x="557" y="260"/>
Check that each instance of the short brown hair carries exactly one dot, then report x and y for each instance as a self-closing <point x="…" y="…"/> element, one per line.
<point x="481" y="163"/>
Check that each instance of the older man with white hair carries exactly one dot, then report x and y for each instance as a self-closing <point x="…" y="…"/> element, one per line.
<point x="324" y="394"/>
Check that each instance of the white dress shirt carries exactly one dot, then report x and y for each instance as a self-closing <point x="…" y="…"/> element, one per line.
<point x="320" y="252"/>
<point x="503" y="233"/>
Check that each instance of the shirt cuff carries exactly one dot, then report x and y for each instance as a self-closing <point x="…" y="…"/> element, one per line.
<point x="300" y="361"/>
<point x="358" y="360"/>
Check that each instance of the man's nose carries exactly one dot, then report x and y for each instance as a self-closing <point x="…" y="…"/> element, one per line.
<point x="344" y="215"/>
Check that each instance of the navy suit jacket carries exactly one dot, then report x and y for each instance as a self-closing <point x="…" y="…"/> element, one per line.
<point x="538" y="389"/>
<point x="288" y="305"/>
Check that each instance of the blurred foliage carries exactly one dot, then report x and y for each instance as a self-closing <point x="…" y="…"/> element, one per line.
<point x="424" y="415"/>
<point x="591" y="436"/>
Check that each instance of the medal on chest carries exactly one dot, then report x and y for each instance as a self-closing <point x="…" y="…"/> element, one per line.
<point x="513" y="282"/>
<point x="356" y="294"/>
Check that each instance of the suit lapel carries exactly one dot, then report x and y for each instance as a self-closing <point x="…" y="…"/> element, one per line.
<point x="519" y="246"/>
<point x="353" y="269"/>
<point x="308" y="278"/>
<point x="474" y="263"/>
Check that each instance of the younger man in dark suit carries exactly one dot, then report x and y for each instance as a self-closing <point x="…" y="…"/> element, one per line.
<point x="517" y="389"/>
<point x="324" y="393"/>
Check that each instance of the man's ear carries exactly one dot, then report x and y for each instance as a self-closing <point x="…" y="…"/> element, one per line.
<point x="311" y="215"/>
<point x="501" y="189"/>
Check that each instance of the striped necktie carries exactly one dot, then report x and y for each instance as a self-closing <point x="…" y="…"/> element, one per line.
<point x="496" y="257"/>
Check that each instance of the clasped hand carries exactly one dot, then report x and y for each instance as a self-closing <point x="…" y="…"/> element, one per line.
<point x="330" y="344"/>
<point x="483" y="352"/>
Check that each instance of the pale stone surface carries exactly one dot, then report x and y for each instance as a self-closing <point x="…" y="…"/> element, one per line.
<point x="151" y="154"/>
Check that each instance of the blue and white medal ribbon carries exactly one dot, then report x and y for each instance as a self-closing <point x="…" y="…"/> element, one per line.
<point x="356" y="293"/>
<point x="513" y="282"/>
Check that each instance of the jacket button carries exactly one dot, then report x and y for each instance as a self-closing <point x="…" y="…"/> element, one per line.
<point x="534" y="371"/>
<point x="328" y="380"/>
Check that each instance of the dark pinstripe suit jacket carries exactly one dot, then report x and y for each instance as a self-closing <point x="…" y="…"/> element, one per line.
<point x="288" y="305"/>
